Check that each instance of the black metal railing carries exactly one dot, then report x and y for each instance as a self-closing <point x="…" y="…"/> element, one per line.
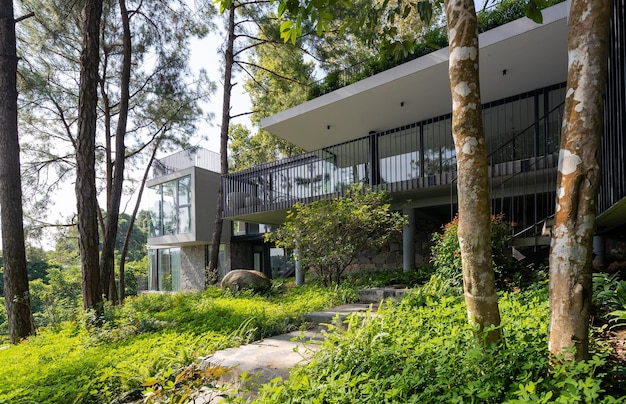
<point x="412" y="157"/>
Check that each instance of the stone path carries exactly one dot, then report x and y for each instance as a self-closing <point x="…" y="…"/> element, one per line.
<point x="273" y="357"/>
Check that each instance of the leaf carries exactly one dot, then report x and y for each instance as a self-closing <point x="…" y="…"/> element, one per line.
<point x="533" y="11"/>
<point x="425" y="10"/>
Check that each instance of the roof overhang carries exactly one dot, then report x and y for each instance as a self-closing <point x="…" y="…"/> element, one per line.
<point x="515" y="58"/>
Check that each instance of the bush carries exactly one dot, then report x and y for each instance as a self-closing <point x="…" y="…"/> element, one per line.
<point x="446" y="253"/>
<point x="153" y="336"/>
<point x="329" y="234"/>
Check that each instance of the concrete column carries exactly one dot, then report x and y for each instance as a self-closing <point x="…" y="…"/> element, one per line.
<point x="299" y="271"/>
<point x="599" y="253"/>
<point x="408" y="242"/>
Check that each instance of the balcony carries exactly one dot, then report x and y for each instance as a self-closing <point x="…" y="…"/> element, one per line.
<point x="198" y="157"/>
<point x="417" y="165"/>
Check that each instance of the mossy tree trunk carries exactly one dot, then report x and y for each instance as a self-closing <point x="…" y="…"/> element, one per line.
<point x="578" y="178"/>
<point x="473" y="181"/>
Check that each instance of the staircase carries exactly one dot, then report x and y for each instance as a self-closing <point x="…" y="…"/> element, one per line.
<point x="273" y="357"/>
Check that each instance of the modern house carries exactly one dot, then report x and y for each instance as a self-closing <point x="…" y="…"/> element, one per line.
<point x="392" y="131"/>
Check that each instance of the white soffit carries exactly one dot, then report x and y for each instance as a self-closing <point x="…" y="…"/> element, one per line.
<point x="514" y="58"/>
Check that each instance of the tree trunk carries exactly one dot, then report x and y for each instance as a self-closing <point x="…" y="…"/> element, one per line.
<point x="228" y="69"/>
<point x="16" y="292"/>
<point x="87" y="205"/>
<point x="473" y="181"/>
<point x="116" y="178"/>
<point x="129" y="232"/>
<point x="578" y="178"/>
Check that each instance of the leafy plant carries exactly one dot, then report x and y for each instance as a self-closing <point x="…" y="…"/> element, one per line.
<point x="329" y="234"/>
<point x="423" y="350"/>
<point x="446" y="252"/>
<point x="618" y="316"/>
<point x="152" y="336"/>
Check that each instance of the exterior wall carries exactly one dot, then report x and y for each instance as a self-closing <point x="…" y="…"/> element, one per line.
<point x="204" y="185"/>
<point x="192" y="265"/>
<point x="241" y="255"/>
<point x="391" y="255"/>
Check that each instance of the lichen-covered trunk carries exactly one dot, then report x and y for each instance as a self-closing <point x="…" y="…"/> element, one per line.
<point x="473" y="181"/>
<point x="16" y="292"/>
<point x="219" y="207"/>
<point x="86" y="202"/>
<point x="578" y="178"/>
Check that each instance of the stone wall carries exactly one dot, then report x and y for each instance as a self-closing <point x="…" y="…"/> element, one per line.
<point x="192" y="263"/>
<point x="390" y="256"/>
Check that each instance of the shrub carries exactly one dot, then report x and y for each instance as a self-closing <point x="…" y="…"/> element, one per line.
<point x="329" y="234"/>
<point x="151" y="337"/>
<point x="446" y="253"/>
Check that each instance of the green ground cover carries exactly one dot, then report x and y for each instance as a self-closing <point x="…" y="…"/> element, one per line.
<point x="423" y="351"/>
<point x="151" y="336"/>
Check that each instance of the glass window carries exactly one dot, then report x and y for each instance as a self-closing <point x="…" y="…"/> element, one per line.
<point x="170" y="208"/>
<point x="221" y="260"/>
<point x="153" y="201"/>
<point x="175" y="268"/>
<point x="184" y="191"/>
<point x="239" y="228"/>
<point x="164" y="270"/>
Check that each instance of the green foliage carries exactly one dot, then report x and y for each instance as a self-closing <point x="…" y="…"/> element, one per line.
<point x="132" y="270"/>
<point x="423" y="350"/>
<point x="328" y="234"/>
<point x="59" y="298"/>
<point x="396" y="49"/>
<point x="152" y="337"/>
<point x="4" y="326"/>
<point x="446" y="252"/>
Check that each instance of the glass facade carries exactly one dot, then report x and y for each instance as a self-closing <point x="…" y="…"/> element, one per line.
<point x="170" y="207"/>
<point x="164" y="269"/>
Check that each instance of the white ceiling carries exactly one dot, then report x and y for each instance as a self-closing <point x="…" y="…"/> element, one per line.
<point x="533" y="56"/>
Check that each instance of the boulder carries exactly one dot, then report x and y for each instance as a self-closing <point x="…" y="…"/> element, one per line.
<point x="240" y="279"/>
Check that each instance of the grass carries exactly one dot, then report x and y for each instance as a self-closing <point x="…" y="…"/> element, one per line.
<point x="151" y="336"/>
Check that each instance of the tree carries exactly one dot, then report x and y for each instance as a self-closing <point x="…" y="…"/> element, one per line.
<point x="329" y="234"/>
<point x="474" y="213"/>
<point x="147" y="97"/>
<point x="115" y="169"/>
<point x="229" y="60"/>
<point x="15" y="274"/>
<point x="86" y="202"/>
<point x="578" y="178"/>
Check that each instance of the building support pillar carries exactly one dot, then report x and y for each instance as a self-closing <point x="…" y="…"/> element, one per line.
<point x="599" y="252"/>
<point x="408" y="241"/>
<point x="299" y="271"/>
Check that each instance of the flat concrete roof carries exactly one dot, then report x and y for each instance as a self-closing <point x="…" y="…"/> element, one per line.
<point x="515" y="58"/>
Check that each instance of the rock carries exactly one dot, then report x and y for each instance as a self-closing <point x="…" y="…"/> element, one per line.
<point x="240" y="279"/>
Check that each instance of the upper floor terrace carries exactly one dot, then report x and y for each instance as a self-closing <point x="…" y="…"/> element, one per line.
<point x="416" y="163"/>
